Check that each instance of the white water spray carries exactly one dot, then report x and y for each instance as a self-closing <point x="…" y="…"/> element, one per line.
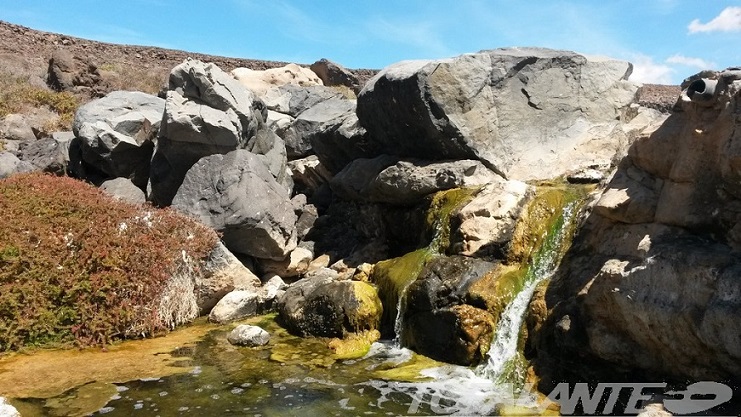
<point x="504" y="346"/>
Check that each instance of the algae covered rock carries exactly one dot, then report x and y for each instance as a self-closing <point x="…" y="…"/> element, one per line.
<point x="321" y="306"/>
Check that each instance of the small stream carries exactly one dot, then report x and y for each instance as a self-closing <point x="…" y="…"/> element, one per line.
<point x="294" y="376"/>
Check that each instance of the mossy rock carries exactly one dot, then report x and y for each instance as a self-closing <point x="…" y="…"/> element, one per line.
<point x="327" y="308"/>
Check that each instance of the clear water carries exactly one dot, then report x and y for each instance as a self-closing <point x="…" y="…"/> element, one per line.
<point x="503" y="352"/>
<point x="222" y="380"/>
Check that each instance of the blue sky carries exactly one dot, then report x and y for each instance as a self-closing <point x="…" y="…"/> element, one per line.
<point x="666" y="40"/>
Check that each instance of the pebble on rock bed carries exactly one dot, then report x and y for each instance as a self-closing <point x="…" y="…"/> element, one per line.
<point x="246" y="335"/>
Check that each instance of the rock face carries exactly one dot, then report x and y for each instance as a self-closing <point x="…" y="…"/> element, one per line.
<point x="386" y="179"/>
<point x="116" y="134"/>
<point x="237" y="195"/>
<point x="49" y="154"/>
<point x="332" y="73"/>
<point x="651" y="281"/>
<point x="485" y="225"/>
<point x="206" y="112"/>
<point x="319" y="305"/>
<point x="438" y="322"/>
<point x="527" y="113"/>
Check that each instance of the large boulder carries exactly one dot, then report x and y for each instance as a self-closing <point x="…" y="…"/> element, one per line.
<point x="528" y="113"/>
<point x="319" y="305"/>
<point x="439" y="320"/>
<point x="116" y="134"/>
<point x="238" y="196"/>
<point x="206" y="112"/>
<point x="335" y="133"/>
<point x="286" y="104"/>
<point x="651" y="281"/>
<point x="386" y="179"/>
<point x="334" y="74"/>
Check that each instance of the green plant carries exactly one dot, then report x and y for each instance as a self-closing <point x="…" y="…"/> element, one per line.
<point x="79" y="266"/>
<point x="17" y="95"/>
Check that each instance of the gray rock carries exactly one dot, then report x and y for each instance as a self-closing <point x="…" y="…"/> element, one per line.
<point x="16" y="127"/>
<point x="207" y="112"/>
<point x="650" y="282"/>
<point x="221" y="190"/>
<point x="198" y="284"/>
<point x="246" y="335"/>
<point x="295" y="264"/>
<point x="10" y="164"/>
<point x="292" y="100"/>
<point x="527" y="113"/>
<point x="308" y="174"/>
<point x="335" y="134"/>
<point x="124" y="189"/>
<point x="235" y="305"/>
<point x="116" y="133"/>
<point x="332" y="73"/>
<point x="385" y="179"/>
<point x="48" y="155"/>
<point x="223" y="272"/>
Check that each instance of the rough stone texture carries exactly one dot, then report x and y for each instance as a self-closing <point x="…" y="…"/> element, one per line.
<point x="116" y="134"/>
<point x="16" y="127"/>
<point x="67" y="72"/>
<point x="260" y="82"/>
<point x="124" y="189"/>
<point x="250" y="336"/>
<point x="485" y="224"/>
<point x="49" y="154"/>
<point x="651" y="281"/>
<point x="295" y="264"/>
<point x="206" y="112"/>
<point x="221" y="190"/>
<point x="235" y="305"/>
<point x="222" y="273"/>
<point x="319" y="305"/>
<point x="10" y="164"/>
<point x="332" y="73"/>
<point x="336" y="135"/>
<point x="386" y="179"/>
<point x="438" y="322"/>
<point x="525" y="112"/>
<point x="292" y="100"/>
<point x="308" y="174"/>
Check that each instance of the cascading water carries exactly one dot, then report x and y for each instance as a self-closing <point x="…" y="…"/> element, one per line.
<point x="503" y="349"/>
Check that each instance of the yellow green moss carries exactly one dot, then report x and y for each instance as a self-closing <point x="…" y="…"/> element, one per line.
<point x="355" y="345"/>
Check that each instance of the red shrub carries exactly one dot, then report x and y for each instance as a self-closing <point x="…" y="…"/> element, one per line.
<point x="76" y="264"/>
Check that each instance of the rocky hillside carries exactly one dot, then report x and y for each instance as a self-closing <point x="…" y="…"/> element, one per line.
<point x="25" y="51"/>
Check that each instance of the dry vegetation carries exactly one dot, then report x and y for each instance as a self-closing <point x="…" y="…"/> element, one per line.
<point x="17" y="95"/>
<point x="79" y="266"/>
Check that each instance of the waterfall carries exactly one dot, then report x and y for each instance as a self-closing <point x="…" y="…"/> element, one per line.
<point x="503" y="352"/>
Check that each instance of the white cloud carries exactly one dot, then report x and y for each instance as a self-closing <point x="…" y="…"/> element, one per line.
<point x="729" y="20"/>
<point x="645" y="70"/>
<point x="698" y="63"/>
